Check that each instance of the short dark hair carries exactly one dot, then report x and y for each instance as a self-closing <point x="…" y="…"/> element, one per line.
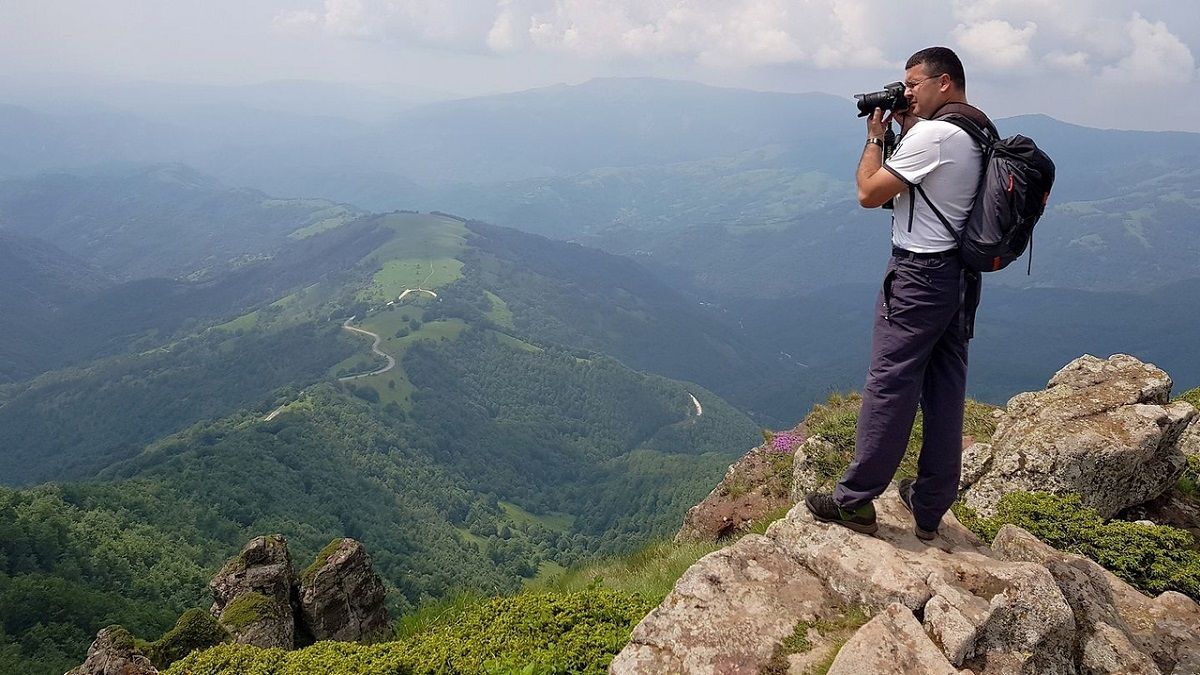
<point x="939" y="61"/>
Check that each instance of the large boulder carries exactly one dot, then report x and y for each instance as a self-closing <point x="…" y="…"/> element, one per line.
<point x="1120" y="629"/>
<point x="341" y="596"/>
<point x="113" y="653"/>
<point x="727" y="613"/>
<point x="253" y="594"/>
<point x="892" y="642"/>
<point x="988" y="614"/>
<point x="1103" y="429"/>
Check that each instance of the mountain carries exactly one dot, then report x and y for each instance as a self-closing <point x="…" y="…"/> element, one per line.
<point x="716" y="188"/>
<point x="39" y="282"/>
<point x="159" y="221"/>
<point x="501" y="443"/>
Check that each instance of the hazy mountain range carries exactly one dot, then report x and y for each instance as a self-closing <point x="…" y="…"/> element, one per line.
<point x="639" y="276"/>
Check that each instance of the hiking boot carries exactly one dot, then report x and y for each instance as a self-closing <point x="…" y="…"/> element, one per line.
<point x="824" y="509"/>
<point x="906" y="490"/>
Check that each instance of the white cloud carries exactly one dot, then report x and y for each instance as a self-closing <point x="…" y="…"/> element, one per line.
<point x="1157" y="56"/>
<point x="996" y="44"/>
<point x="1081" y="38"/>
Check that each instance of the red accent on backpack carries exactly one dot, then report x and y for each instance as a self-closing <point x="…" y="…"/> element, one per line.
<point x="995" y="263"/>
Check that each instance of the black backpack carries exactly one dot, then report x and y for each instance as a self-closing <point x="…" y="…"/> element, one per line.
<point x="1013" y="189"/>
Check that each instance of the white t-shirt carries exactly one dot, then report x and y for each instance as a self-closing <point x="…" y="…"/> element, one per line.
<point x="945" y="161"/>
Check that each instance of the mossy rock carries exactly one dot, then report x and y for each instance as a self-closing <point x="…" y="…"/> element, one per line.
<point x="121" y="639"/>
<point x="307" y="576"/>
<point x="196" y="629"/>
<point x="248" y="609"/>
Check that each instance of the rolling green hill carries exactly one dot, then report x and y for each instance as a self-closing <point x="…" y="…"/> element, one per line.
<point x="505" y="443"/>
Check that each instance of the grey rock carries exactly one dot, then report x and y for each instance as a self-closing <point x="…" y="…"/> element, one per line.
<point x="113" y="653"/>
<point x="727" y="613"/>
<point x="1103" y="429"/>
<point x="341" y="596"/>
<point x="1120" y="629"/>
<point x="891" y="642"/>
<point x="253" y="594"/>
<point x="805" y="476"/>
<point x="1009" y="614"/>
<point x="976" y="460"/>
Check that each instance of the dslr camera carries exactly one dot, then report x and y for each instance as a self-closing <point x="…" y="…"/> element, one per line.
<point x="891" y="98"/>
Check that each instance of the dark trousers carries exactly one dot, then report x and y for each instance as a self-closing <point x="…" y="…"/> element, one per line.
<point x="918" y="355"/>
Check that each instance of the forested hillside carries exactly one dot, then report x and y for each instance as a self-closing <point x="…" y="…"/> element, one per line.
<point x="505" y="443"/>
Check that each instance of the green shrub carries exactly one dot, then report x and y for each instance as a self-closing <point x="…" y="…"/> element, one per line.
<point x="1191" y="396"/>
<point x="530" y="633"/>
<point x="196" y="629"/>
<point x="1152" y="558"/>
<point x="1189" y="482"/>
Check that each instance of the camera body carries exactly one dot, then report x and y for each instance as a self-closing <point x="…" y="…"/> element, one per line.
<point x="891" y="98"/>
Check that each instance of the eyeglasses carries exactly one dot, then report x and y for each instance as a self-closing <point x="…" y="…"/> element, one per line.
<point x="913" y="86"/>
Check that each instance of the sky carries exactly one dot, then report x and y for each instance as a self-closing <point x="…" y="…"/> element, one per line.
<point x="1105" y="63"/>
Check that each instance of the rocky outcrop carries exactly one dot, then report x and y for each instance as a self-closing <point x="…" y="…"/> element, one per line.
<point x="113" y="653"/>
<point x="756" y="485"/>
<point x="341" y="596"/>
<point x="1120" y="630"/>
<point x="727" y="613"/>
<point x="260" y="601"/>
<point x="1020" y="607"/>
<point x="253" y="594"/>
<point x="1103" y="429"/>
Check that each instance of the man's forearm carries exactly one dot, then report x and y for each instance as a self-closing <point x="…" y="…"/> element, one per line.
<point x="870" y="162"/>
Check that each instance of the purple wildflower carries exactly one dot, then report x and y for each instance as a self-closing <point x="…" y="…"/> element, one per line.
<point x="785" y="442"/>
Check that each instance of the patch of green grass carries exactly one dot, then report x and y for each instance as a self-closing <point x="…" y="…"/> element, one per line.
<point x="1191" y="396"/>
<point x="650" y="572"/>
<point x="516" y="343"/>
<point x="243" y="322"/>
<point x="326" y="219"/>
<point x="837" y="422"/>
<point x="421" y="255"/>
<point x="559" y="522"/>
<point x="837" y="629"/>
<point x="1152" y="558"/>
<point x="395" y="326"/>
<point x="500" y="314"/>
<point x="196" y="629"/>
<point x="310" y="572"/>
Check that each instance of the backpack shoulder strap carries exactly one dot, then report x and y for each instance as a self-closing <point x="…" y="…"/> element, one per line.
<point x="971" y="120"/>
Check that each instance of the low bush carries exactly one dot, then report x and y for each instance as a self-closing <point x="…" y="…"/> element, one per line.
<point x="529" y="633"/>
<point x="1152" y="558"/>
<point x="196" y="629"/>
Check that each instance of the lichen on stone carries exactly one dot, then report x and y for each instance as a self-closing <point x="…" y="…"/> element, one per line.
<point x="247" y="609"/>
<point x="310" y="573"/>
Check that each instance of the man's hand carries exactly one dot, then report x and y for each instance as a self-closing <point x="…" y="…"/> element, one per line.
<point x="875" y="185"/>
<point x="877" y="125"/>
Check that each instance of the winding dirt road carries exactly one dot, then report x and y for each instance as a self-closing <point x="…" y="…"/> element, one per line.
<point x="391" y="362"/>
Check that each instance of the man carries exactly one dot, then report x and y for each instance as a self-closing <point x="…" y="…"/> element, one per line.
<point x="924" y="313"/>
